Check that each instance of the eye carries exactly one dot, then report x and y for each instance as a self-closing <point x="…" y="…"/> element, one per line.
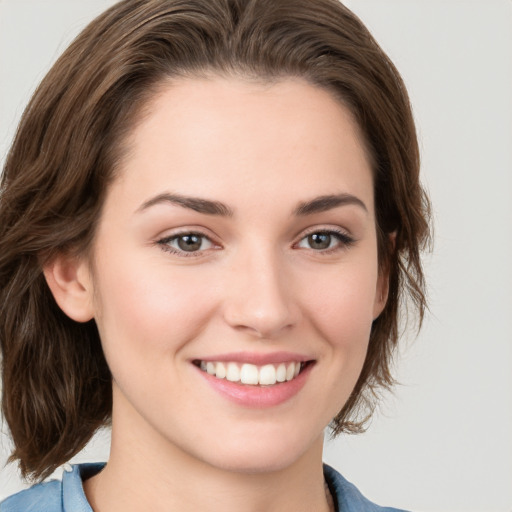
<point x="325" y="240"/>
<point x="186" y="243"/>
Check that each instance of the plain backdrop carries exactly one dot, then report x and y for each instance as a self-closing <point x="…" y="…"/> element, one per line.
<point x="442" y="442"/>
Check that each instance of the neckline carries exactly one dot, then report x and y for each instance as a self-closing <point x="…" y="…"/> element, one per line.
<point x="73" y="486"/>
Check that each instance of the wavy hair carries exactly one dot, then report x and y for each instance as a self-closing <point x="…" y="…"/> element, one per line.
<point x="56" y="382"/>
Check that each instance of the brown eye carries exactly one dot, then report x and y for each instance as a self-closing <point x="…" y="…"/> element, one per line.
<point x="189" y="243"/>
<point x="186" y="243"/>
<point x="326" y="241"/>
<point x="319" y="241"/>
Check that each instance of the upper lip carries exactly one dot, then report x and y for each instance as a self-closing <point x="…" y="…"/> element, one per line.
<point x="258" y="359"/>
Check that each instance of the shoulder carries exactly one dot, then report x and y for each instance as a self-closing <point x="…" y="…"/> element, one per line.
<point x="66" y="495"/>
<point x="347" y="496"/>
<point x="45" y="497"/>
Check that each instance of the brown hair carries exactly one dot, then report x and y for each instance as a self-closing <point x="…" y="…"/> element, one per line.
<point x="56" y="383"/>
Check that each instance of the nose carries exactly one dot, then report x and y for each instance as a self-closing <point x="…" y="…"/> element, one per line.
<point x="259" y="298"/>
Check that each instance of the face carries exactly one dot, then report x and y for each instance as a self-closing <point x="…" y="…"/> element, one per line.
<point x="235" y="271"/>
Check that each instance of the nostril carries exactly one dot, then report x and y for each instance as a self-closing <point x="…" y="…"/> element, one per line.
<point x="258" y="322"/>
<point x="257" y="301"/>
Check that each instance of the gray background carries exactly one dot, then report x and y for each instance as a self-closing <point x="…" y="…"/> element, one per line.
<point x="443" y="441"/>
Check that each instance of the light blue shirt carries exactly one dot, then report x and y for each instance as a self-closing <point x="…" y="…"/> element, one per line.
<point x="67" y="495"/>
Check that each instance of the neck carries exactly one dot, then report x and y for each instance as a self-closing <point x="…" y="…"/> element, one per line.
<point x="158" y="476"/>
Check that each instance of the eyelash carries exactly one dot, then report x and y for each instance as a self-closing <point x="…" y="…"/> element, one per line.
<point x="344" y="241"/>
<point x="165" y="242"/>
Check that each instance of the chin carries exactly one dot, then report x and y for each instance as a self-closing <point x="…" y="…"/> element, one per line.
<point x="252" y="466"/>
<point x="258" y="456"/>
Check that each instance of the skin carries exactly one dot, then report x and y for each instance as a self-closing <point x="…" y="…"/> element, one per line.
<point x="256" y="284"/>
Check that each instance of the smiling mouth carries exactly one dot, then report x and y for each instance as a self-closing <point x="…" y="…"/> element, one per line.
<point x="251" y="374"/>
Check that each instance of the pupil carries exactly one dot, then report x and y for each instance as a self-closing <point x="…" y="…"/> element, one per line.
<point x="189" y="243"/>
<point x="319" y="240"/>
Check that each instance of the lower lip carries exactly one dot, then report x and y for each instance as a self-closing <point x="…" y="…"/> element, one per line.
<point x="258" y="397"/>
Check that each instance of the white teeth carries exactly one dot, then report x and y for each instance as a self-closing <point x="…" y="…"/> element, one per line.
<point x="281" y="373"/>
<point x="267" y="375"/>
<point x="220" y="371"/>
<point x="290" y="371"/>
<point x="233" y="372"/>
<point x="250" y="374"/>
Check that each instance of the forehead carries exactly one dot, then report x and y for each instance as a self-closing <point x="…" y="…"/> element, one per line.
<point x="203" y="135"/>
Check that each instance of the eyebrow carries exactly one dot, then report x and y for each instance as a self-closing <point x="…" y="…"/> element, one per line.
<point x="209" y="207"/>
<point x="328" y="202"/>
<point x="193" y="203"/>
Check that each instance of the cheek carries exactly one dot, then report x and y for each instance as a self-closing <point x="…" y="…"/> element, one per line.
<point x="342" y="308"/>
<point x="147" y="314"/>
<point x="341" y="313"/>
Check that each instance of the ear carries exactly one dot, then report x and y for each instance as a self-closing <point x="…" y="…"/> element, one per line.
<point x="381" y="293"/>
<point x="382" y="290"/>
<point x="70" y="281"/>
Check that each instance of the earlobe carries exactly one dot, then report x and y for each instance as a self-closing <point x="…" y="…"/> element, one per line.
<point x="382" y="291"/>
<point x="70" y="282"/>
<point x="381" y="294"/>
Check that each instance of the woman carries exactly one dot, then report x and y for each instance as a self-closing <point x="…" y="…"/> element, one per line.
<point x="209" y="217"/>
